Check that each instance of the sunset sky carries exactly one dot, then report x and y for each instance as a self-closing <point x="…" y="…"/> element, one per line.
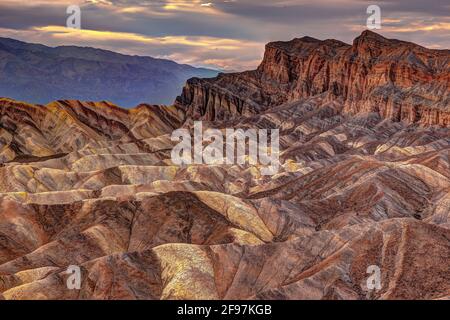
<point x="224" y="34"/>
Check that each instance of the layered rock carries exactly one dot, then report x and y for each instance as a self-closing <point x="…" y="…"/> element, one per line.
<point x="93" y="185"/>
<point x="399" y="80"/>
<point x="352" y="192"/>
<point x="65" y="126"/>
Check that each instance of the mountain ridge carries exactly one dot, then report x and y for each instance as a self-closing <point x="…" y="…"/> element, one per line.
<point x="43" y="74"/>
<point x="93" y="185"/>
<point x="399" y="79"/>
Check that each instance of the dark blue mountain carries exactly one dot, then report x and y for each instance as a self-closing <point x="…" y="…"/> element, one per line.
<point x="41" y="74"/>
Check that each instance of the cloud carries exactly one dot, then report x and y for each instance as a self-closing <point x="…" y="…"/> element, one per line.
<point x="196" y="50"/>
<point x="226" y="34"/>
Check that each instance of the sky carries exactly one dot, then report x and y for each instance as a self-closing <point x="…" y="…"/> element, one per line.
<point x="228" y="35"/>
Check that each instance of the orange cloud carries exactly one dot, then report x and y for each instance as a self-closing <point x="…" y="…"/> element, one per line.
<point x="194" y="41"/>
<point x="198" y="50"/>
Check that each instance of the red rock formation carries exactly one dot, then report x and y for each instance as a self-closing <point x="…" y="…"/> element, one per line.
<point x="93" y="185"/>
<point x="399" y="80"/>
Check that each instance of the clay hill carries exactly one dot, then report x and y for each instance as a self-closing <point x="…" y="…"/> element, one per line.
<point x="34" y="72"/>
<point x="364" y="181"/>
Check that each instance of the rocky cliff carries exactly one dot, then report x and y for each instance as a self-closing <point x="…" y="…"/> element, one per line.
<point x="399" y="80"/>
<point x="365" y="184"/>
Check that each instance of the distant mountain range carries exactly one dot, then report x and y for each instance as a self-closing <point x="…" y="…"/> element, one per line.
<point x="41" y="74"/>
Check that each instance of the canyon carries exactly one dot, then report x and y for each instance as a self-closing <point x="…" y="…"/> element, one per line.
<point x="364" y="180"/>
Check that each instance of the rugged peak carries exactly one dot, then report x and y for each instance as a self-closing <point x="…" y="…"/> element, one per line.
<point x="370" y="41"/>
<point x="304" y="45"/>
<point x="399" y="80"/>
<point x="294" y="45"/>
<point x="307" y="39"/>
<point x="367" y="34"/>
